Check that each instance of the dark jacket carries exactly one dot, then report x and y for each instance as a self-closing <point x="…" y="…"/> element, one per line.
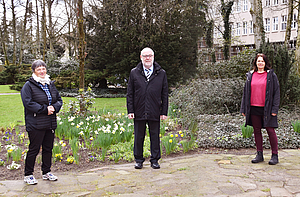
<point x="272" y="100"/>
<point x="147" y="99"/>
<point x="35" y="103"/>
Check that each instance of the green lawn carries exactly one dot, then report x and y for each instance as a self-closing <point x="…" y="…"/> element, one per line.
<point x="12" y="111"/>
<point x="5" y="89"/>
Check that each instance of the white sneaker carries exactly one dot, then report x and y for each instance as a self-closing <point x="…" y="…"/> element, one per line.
<point x="49" y="177"/>
<point x="30" y="180"/>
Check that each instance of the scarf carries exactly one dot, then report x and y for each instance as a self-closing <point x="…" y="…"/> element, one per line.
<point x="41" y="80"/>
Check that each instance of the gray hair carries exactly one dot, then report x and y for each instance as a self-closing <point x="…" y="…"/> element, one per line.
<point x="146" y="49"/>
<point x="38" y="63"/>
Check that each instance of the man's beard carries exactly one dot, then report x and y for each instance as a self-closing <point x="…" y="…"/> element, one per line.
<point x="148" y="64"/>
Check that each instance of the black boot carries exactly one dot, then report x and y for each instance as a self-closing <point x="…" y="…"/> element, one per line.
<point x="274" y="159"/>
<point x="259" y="157"/>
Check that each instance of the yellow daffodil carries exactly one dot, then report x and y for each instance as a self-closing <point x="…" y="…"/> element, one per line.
<point x="171" y="135"/>
<point x="170" y="140"/>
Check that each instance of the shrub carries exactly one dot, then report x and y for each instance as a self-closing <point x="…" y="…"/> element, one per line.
<point x="207" y="96"/>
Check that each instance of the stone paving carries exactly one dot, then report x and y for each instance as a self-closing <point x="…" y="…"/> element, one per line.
<point x="191" y="175"/>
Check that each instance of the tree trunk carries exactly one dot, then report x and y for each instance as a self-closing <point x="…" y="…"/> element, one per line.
<point x="23" y="33"/>
<point x="38" y="50"/>
<point x="81" y="54"/>
<point x="258" y="22"/>
<point x="14" y="32"/>
<point x="4" y="35"/>
<point x="50" y="25"/>
<point x="297" y="51"/>
<point x="289" y="23"/>
<point x="44" y="29"/>
<point x="226" y="10"/>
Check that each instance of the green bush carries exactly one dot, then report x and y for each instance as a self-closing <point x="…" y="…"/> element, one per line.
<point x="207" y="96"/>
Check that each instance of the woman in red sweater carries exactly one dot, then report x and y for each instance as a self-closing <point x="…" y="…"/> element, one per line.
<point x="260" y="105"/>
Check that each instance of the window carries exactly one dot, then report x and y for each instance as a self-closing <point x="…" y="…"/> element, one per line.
<point x="275" y="2"/>
<point x="284" y="1"/>
<point x="232" y="29"/>
<point x="238" y="29"/>
<point x="245" y="5"/>
<point x="251" y="27"/>
<point x="267" y="2"/>
<point x="275" y="23"/>
<point x="283" y="22"/>
<point x="238" y="5"/>
<point x="244" y="28"/>
<point x="294" y="21"/>
<point x="219" y="34"/>
<point x="267" y="24"/>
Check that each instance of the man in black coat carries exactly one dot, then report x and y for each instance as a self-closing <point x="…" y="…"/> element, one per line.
<point x="147" y="102"/>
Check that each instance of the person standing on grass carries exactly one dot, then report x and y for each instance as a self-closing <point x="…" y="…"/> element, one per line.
<point x="260" y="105"/>
<point x="147" y="103"/>
<point x="41" y="102"/>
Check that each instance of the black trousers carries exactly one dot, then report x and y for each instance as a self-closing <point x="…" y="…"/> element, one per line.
<point x="139" y="137"/>
<point x="44" y="138"/>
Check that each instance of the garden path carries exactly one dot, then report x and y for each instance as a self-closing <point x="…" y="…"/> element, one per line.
<point x="190" y="175"/>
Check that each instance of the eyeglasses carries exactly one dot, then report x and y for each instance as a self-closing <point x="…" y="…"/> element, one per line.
<point x="145" y="56"/>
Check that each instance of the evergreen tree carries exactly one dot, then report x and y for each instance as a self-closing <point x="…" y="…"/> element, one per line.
<point x="281" y="61"/>
<point x="118" y="30"/>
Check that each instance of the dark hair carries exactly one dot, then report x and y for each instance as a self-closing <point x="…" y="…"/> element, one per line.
<point x="267" y="63"/>
<point x="38" y="63"/>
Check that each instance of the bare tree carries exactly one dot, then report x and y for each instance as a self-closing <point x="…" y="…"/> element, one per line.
<point x="289" y="22"/>
<point x="81" y="47"/>
<point x="38" y="51"/>
<point x="4" y="34"/>
<point x="44" y="33"/>
<point x="23" y="32"/>
<point x="14" y="32"/>
<point x="258" y="23"/>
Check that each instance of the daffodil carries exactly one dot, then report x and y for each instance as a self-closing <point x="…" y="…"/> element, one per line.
<point x="91" y="138"/>
<point x="171" y="135"/>
<point x="176" y="135"/>
<point x="181" y="135"/>
<point x="180" y="132"/>
<point x="170" y="140"/>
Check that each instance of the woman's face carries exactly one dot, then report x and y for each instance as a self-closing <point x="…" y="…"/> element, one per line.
<point x="40" y="71"/>
<point x="260" y="63"/>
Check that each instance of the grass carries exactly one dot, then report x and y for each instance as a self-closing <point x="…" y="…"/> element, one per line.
<point x="12" y="111"/>
<point x="6" y="89"/>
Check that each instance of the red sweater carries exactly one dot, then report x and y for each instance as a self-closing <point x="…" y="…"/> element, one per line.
<point x="258" y="89"/>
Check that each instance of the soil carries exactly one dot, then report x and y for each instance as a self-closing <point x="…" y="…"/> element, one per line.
<point x="85" y="164"/>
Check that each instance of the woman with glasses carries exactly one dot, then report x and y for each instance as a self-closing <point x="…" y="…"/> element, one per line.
<point x="260" y="105"/>
<point x="41" y="102"/>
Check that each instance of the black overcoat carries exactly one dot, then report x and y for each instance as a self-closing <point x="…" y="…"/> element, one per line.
<point x="272" y="100"/>
<point x="147" y="99"/>
<point x="35" y="103"/>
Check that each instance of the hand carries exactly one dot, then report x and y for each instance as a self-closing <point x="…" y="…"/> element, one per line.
<point x="273" y="114"/>
<point x="51" y="110"/>
<point x="243" y="114"/>
<point x="131" y="115"/>
<point x="163" y="117"/>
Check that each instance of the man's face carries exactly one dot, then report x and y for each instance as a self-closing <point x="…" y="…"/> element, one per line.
<point x="147" y="58"/>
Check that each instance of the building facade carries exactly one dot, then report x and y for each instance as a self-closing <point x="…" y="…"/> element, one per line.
<point x="275" y="14"/>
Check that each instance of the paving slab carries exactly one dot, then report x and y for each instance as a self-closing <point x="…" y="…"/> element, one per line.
<point x="216" y="175"/>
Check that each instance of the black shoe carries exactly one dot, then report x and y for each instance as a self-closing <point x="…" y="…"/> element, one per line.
<point x="155" y="165"/>
<point x="274" y="159"/>
<point x="138" y="166"/>
<point x="259" y="157"/>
